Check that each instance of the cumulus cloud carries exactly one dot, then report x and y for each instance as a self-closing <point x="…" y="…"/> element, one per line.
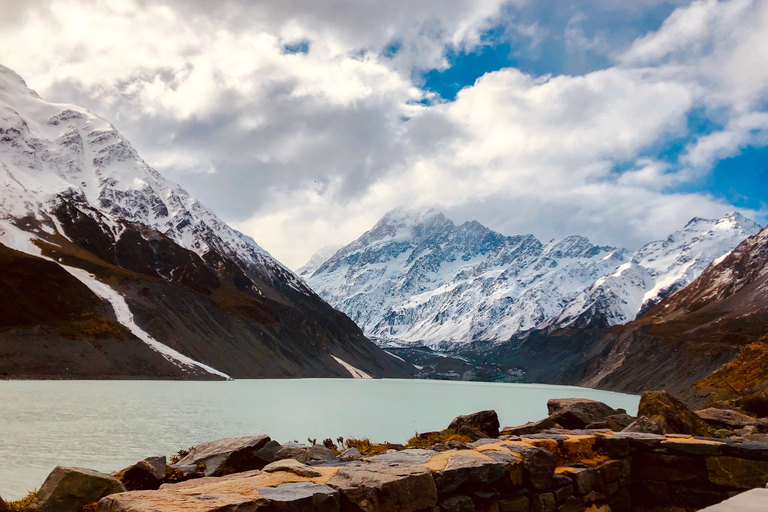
<point x="302" y="122"/>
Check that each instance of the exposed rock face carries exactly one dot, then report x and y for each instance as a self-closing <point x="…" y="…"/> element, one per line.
<point x="575" y="413"/>
<point x="231" y="455"/>
<point x="291" y="466"/>
<point x="671" y="414"/>
<point x="382" y="487"/>
<point x="726" y="418"/>
<point x="70" y="489"/>
<point x="147" y="474"/>
<point x="557" y="471"/>
<point x="300" y="496"/>
<point x="486" y="422"/>
<point x="643" y="424"/>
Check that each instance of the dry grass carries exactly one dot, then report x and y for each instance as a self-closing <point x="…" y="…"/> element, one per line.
<point x="430" y="438"/>
<point x="22" y="505"/>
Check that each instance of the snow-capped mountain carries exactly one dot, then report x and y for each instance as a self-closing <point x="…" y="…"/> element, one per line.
<point x="656" y="271"/>
<point x="417" y="278"/>
<point x="199" y="293"/>
<point x="317" y="259"/>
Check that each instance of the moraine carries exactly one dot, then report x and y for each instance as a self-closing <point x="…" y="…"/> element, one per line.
<point x="106" y="425"/>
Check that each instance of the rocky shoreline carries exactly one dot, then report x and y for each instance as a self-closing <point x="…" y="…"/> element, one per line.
<point x="585" y="456"/>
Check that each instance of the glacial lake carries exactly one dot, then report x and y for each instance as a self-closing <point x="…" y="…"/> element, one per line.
<point x="108" y="425"/>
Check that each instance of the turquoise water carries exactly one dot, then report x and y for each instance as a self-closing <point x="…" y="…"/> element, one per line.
<point x="107" y="425"/>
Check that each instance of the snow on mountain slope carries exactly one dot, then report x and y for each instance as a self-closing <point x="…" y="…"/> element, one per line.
<point x="656" y="271"/>
<point x="53" y="152"/>
<point x="317" y="259"/>
<point x="417" y="278"/>
<point x="76" y="194"/>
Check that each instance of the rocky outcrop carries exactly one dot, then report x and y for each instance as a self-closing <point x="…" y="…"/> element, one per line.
<point x="231" y="455"/>
<point x="486" y="422"/>
<point x="643" y="425"/>
<point x="575" y="413"/>
<point x="557" y="471"/>
<point x="671" y="414"/>
<point x="70" y="489"/>
<point x="733" y="420"/>
<point x="147" y="474"/>
<point x="554" y="470"/>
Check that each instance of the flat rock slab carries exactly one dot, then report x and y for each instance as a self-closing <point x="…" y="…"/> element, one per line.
<point x="734" y="420"/>
<point x="164" y="501"/>
<point x="404" y="458"/>
<point x="70" y="489"/>
<point x="467" y="469"/>
<point x="302" y="497"/>
<point x="291" y="466"/>
<point x="231" y="455"/>
<point x="380" y="487"/>
<point x="755" y="500"/>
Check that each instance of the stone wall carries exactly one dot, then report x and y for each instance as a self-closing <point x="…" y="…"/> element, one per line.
<point x="556" y="471"/>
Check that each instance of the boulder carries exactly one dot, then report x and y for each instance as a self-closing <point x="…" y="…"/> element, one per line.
<point x="231" y="455"/>
<point x="732" y="420"/>
<point x="469" y="470"/>
<point x="350" y="454"/>
<point x="484" y="421"/>
<point x="532" y="427"/>
<point x="615" y="422"/>
<point x="671" y="414"/>
<point x="737" y="473"/>
<point x="165" y="501"/>
<point x="471" y="432"/>
<point x="458" y="503"/>
<point x="320" y="452"/>
<point x="70" y="489"/>
<point x="385" y="487"/>
<point x="643" y="425"/>
<point x="268" y="452"/>
<point x="147" y="474"/>
<point x="292" y="451"/>
<point x="291" y="466"/>
<point x="300" y="497"/>
<point x="538" y="464"/>
<point x="577" y="413"/>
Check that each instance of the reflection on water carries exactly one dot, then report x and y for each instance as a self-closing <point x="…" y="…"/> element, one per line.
<point x="107" y="425"/>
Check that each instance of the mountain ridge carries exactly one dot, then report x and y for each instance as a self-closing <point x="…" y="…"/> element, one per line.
<point x="416" y="278"/>
<point x="79" y="196"/>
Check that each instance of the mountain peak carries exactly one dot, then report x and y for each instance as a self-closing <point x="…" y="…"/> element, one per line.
<point x="10" y="81"/>
<point x="411" y="216"/>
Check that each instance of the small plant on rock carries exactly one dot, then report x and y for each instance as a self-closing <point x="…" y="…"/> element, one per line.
<point x="180" y="455"/>
<point x="22" y="505"/>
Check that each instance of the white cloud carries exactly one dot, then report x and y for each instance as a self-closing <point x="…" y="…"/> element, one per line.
<point x="302" y="150"/>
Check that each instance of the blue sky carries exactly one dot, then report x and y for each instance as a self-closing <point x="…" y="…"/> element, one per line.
<point x="740" y="179"/>
<point x="301" y="123"/>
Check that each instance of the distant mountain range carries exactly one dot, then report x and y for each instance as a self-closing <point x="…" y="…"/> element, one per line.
<point x="417" y="279"/>
<point x="109" y="270"/>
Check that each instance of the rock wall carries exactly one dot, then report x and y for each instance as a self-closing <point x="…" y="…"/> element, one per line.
<point x="556" y="471"/>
